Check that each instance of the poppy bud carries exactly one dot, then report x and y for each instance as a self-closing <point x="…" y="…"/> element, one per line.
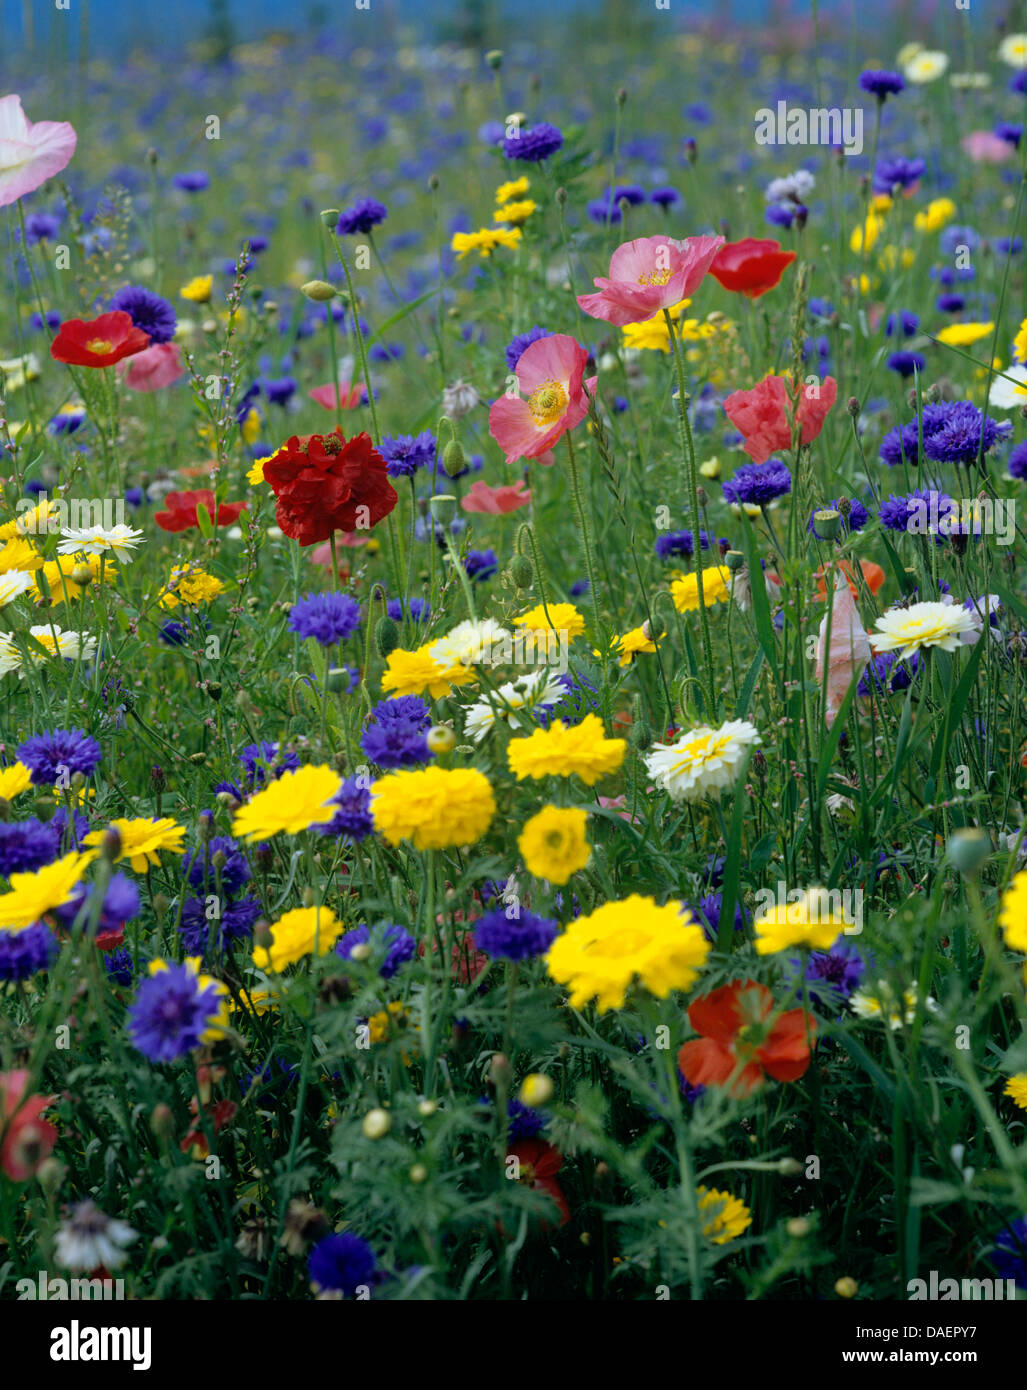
<point x="500" y="1070"/>
<point x="433" y="182"/>
<point x="110" y="844"/>
<point x="386" y="636"/>
<point x="454" y="460"/>
<point x="494" y="58"/>
<point x="162" y="1121"/>
<point x="968" y="849"/>
<point x="197" y="759"/>
<point x="561" y="197"/>
<point x="338" y="678"/>
<point x="377" y="1124"/>
<point x="318" y="290"/>
<point x="521" y="571"/>
<point x="158" y="781"/>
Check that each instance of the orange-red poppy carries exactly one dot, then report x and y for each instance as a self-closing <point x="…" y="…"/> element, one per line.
<point x="742" y="1041"/>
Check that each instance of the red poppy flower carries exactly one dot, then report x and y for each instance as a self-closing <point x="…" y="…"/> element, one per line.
<point x="763" y="414"/>
<point x="326" y="483"/>
<point x="872" y="574"/>
<point x="25" y="1139"/>
<point x="751" y="266"/>
<point x="98" y="342"/>
<point x="182" y="507"/>
<point x="741" y="1038"/>
<point x="221" y="1114"/>
<point x="539" y="1164"/>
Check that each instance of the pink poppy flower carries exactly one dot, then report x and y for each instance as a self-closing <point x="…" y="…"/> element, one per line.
<point x="30" y="154"/>
<point x="152" y="369"/>
<point x="349" y="397"/>
<point x="344" y="540"/>
<point x="495" y="501"/>
<point x="550" y="374"/>
<point x="985" y="147"/>
<point x="650" y="274"/>
<point x="763" y="414"/>
<point x="848" y="650"/>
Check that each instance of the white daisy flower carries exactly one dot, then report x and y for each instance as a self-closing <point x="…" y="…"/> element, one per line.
<point x="470" y="643"/>
<point x="703" y="761"/>
<point x="529" y="692"/>
<point x="880" y="1002"/>
<point x="1006" y="394"/>
<point x="907" y="630"/>
<point x="13" y="583"/>
<point x="90" y="1238"/>
<point x="55" y="640"/>
<point x="97" y="540"/>
<point x="1013" y="50"/>
<point x="926" y="66"/>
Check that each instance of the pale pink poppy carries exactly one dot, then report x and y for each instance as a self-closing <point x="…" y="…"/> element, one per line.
<point x="650" y="274"/>
<point x="985" y="147"/>
<point x="547" y="459"/>
<point x="30" y="154"/>
<point x="349" y="397"/>
<point x="344" y="540"/>
<point x="849" y="649"/>
<point x="495" y="501"/>
<point x="550" y="374"/>
<point x="618" y="805"/>
<point x="152" y="369"/>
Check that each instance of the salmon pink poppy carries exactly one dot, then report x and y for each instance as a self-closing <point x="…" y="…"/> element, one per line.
<point x="744" y="1040"/>
<point x="751" y="266"/>
<point x="873" y="577"/>
<point x="763" y="414"/>
<point x="182" y="507"/>
<point x="152" y="369"/>
<point x="550" y="373"/>
<point x="25" y="1139"/>
<point x="98" y="342"/>
<point x="343" y="394"/>
<point x="650" y="274"/>
<point x="30" y="153"/>
<point x="495" y="501"/>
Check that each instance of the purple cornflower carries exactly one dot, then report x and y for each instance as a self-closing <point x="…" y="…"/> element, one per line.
<point x="404" y="454"/>
<point x="962" y="432"/>
<point x="327" y="618"/>
<point x="896" y="513"/>
<point x="903" y="322"/>
<point x="193" y="182"/>
<point x="481" y="564"/>
<point x="198" y="865"/>
<point x="342" y="1264"/>
<point x="887" y="673"/>
<point x="41" y="226"/>
<point x="1018" y="460"/>
<point x="147" y="311"/>
<point x="58" y="755"/>
<point x="533" y="145"/>
<point x="121" y="903"/>
<point x="118" y="965"/>
<point x="524" y="340"/>
<point x="233" y="922"/>
<point x="680" y="543"/>
<point x="756" y="484"/>
<point x="27" y="845"/>
<point x="518" y="937"/>
<point x="363" y="217"/>
<point x="1010" y="1254"/>
<point x="171" y="1013"/>
<point x="897" y="171"/>
<point x="399" y="946"/>
<point x="417" y="608"/>
<point x="832" y="975"/>
<point x="906" y="363"/>
<point x="396" y="738"/>
<point x="260" y="759"/>
<point x="1010" y="132"/>
<point x="25" y="953"/>
<point x="708" y="909"/>
<point x="353" y="811"/>
<point x="665" y="197"/>
<point x="881" y="83"/>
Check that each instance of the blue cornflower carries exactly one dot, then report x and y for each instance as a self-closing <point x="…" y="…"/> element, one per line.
<point x="906" y="363"/>
<point x="396" y="738"/>
<point x="363" y="216"/>
<point x="709" y="908"/>
<point x="404" y="454"/>
<point x="24" y="953"/>
<point x="665" y="197"/>
<point x="171" y="1013"/>
<point x="1008" y="246"/>
<point x="903" y="322"/>
<point x="604" y="211"/>
<point x="481" y="564"/>
<point x="1017" y="463"/>
<point x="896" y="513"/>
<point x="418" y="609"/>
<point x="1010" y="1255"/>
<point x="258" y="759"/>
<point x="280" y="390"/>
<point x="831" y="975"/>
<point x="27" y="845"/>
<point x="59" y="754"/>
<point x="533" y="145"/>
<point x="756" y="484"/>
<point x="147" y="311"/>
<point x="118" y="965"/>
<point x="193" y="182"/>
<point x="233" y="921"/>
<point x="851" y="510"/>
<point x="399" y="946"/>
<point x="1010" y="132"/>
<point x="518" y="937"/>
<point x="52" y="320"/>
<point x="40" y="226"/>
<point x="198" y="865"/>
<point x="327" y="618"/>
<point x="897" y="171"/>
<point x="524" y="340"/>
<point x="881" y="83"/>
<point x="780" y="214"/>
<point x="174" y="634"/>
<point x="353" y="811"/>
<point x="887" y="673"/>
<point x="680" y="543"/>
<point x="342" y="1264"/>
<point x="629" y="193"/>
<point x="950" y="303"/>
<point x="960" y="432"/>
<point x="121" y="902"/>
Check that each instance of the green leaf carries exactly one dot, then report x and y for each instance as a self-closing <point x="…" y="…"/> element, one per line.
<point x="204" y="522"/>
<point x="760" y="602"/>
<point x="748" y="686"/>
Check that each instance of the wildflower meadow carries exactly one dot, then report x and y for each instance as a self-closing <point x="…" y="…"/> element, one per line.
<point x="513" y="656"/>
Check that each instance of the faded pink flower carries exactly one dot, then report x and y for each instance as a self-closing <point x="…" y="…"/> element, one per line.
<point x="494" y="501"/>
<point x="344" y="540"/>
<point x="650" y="274"/>
<point x="152" y="369"/>
<point x="349" y="397"/>
<point x="30" y="154"/>
<point x="849" y="648"/>
<point x="985" y="147"/>
<point x="550" y="374"/>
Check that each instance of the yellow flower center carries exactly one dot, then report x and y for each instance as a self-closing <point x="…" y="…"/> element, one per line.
<point x="101" y="346"/>
<point x="548" y="403"/>
<point x="654" y="277"/>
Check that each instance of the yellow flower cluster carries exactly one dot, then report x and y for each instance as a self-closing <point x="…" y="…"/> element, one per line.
<point x="305" y="931"/>
<point x="566" y="749"/>
<point x="434" y="807"/>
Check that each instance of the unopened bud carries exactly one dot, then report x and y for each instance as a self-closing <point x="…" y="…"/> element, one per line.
<point x="798" y="1227"/>
<point x="734" y="559"/>
<point x="386" y="636"/>
<point x="441" y="739"/>
<point x="454" y="460"/>
<point x="81" y="575"/>
<point x="853" y="406"/>
<point x="162" y="1121"/>
<point x="418" y="1174"/>
<point x="968" y="849"/>
<point x="494" y="58"/>
<point x="500" y="1070"/>
<point x="521" y="571"/>
<point x="846" y="1287"/>
<point x="377" y="1124"/>
<point x="319" y="290"/>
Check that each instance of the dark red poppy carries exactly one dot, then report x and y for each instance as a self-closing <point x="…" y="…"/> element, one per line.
<point x="326" y="483"/>
<point x="744" y="1040"/>
<point x="219" y="1115"/>
<point x="182" y="506"/>
<point x="538" y="1164"/>
<point x="751" y="266"/>
<point x="98" y="342"/>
